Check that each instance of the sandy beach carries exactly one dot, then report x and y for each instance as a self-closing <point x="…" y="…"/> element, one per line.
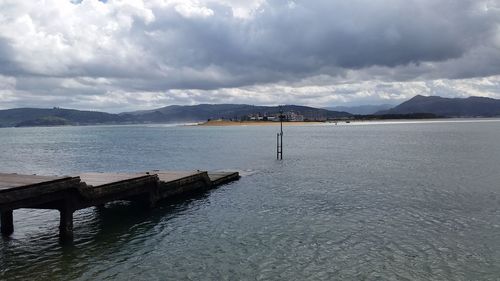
<point x="255" y="123"/>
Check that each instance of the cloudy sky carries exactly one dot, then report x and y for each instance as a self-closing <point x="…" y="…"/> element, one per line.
<point x="131" y="54"/>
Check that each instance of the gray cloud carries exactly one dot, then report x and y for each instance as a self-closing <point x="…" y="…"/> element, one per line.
<point x="94" y="50"/>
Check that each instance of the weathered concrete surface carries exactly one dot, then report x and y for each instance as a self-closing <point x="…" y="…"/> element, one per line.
<point x="21" y="188"/>
<point x="175" y="184"/>
<point x="219" y="178"/>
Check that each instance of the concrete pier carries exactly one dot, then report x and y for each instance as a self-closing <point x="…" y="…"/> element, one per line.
<point x="68" y="194"/>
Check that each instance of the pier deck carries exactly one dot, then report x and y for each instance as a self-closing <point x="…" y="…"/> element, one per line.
<point x="68" y="194"/>
<point x="218" y="178"/>
<point x="12" y="181"/>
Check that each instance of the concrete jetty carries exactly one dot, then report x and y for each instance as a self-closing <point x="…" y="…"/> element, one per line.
<point x="70" y="193"/>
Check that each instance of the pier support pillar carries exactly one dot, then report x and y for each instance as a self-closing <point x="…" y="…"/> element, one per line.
<point x="149" y="200"/>
<point x="7" y="221"/>
<point x="66" y="224"/>
<point x="152" y="201"/>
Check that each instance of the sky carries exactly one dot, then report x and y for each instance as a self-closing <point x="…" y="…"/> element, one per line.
<point x="129" y="55"/>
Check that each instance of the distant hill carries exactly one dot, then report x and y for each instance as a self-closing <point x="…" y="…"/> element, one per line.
<point x="361" y="109"/>
<point x="448" y="107"/>
<point x="203" y="112"/>
<point x="20" y="117"/>
<point x="28" y="117"/>
<point x="44" y="121"/>
<point x="418" y="107"/>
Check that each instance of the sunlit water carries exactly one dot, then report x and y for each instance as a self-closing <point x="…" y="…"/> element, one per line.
<point x="410" y="201"/>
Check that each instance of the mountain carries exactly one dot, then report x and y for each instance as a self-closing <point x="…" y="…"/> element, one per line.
<point x="417" y="107"/>
<point x="448" y="107"/>
<point x="203" y="112"/>
<point x="24" y="117"/>
<point x="361" y="109"/>
<point x="56" y="116"/>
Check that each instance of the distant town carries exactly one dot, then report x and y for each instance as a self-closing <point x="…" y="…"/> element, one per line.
<point x="288" y="116"/>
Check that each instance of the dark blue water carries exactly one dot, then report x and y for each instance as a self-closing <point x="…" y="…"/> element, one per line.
<point x="411" y="201"/>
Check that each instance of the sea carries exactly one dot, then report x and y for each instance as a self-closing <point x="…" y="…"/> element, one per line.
<point x="415" y="200"/>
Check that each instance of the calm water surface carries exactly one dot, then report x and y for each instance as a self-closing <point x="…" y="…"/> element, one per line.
<point x="416" y="201"/>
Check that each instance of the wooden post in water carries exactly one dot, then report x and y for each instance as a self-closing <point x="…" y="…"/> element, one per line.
<point x="278" y="146"/>
<point x="7" y="221"/>
<point x="279" y="138"/>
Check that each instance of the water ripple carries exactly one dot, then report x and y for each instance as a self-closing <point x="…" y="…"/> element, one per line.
<point x="386" y="202"/>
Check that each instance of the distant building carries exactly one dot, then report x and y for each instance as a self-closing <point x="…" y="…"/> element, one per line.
<point x="288" y="116"/>
<point x="293" y="117"/>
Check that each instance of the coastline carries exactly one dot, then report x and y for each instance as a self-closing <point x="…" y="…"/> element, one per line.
<point x="223" y="123"/>
<point x="226" y="123"/>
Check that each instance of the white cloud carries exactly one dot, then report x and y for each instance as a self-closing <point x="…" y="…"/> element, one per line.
<point x="124" y="53"/>
<point x="193" y="10"/>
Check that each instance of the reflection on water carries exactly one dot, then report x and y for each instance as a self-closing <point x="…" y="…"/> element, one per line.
<point x="392" y="201"/>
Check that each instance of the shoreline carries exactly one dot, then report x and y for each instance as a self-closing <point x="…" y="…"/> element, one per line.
<point x="224" y="123"/>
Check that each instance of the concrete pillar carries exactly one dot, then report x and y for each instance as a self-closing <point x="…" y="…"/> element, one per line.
<point x="153" y="199"/>
<point x="66" y="224"/>
<point x="7" y="221"/>
<point x="148" y="200"/>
